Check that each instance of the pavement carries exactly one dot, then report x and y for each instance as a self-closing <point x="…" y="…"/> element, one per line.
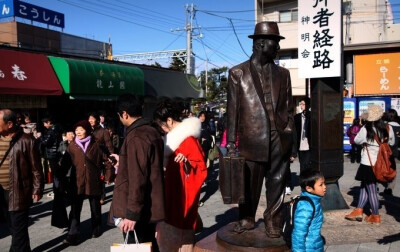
<point x="340" y="234"/>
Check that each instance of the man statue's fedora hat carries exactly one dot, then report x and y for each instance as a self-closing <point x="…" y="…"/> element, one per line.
<point x="266" y="29"/>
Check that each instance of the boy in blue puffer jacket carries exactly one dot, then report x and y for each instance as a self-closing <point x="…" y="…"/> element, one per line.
<point x="306" y="234"/>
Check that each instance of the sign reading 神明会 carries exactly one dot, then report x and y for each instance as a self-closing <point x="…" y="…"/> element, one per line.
<point x="319" y="38"/>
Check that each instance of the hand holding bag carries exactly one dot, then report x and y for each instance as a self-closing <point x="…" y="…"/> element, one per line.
<point x="137" y="247"/>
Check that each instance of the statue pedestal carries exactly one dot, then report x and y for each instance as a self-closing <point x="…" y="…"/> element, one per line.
<point x="255" y="240"/>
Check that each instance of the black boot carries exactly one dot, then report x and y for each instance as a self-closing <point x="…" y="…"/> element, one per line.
<point x="71" y="240"/>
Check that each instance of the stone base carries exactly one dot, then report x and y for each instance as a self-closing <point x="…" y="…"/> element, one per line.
<point x="255" y="240"/>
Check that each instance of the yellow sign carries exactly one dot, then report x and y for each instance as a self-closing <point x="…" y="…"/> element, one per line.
<point x="377" y="74"/>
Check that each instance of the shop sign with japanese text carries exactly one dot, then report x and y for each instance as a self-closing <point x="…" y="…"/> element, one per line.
<point x="32" y="12"/>
<point x="319" y="38"/>
<point x="377" y="74"/>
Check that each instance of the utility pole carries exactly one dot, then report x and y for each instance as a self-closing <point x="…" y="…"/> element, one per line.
<point x="190" y="13"/>
<point x="189" y="25"/>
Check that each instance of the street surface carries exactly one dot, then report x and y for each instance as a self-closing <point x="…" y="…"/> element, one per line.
<point x="341" y="235"/>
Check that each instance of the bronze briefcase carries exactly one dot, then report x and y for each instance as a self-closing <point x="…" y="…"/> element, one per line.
<point x="231" y="179"/>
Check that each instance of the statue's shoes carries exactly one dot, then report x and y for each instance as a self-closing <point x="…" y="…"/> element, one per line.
<point x="244" y="225"/>
<point x="273" y="233"/>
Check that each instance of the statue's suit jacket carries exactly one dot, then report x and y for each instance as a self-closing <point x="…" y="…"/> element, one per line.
<point x="247" y="119"/>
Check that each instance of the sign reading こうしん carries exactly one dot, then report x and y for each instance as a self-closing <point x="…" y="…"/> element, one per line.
<point x="9" y="8"/>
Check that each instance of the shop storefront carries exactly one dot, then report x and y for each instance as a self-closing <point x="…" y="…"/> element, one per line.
<point x="26" y="80"/>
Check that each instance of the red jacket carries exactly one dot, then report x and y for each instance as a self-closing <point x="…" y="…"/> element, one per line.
<point x="182" y="191"/>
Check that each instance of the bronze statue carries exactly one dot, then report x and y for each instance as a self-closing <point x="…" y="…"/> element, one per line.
<point x="260" y="115"/>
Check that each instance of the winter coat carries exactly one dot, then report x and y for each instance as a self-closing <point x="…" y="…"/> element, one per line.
<point x="87" y="168"/>
<point x="103" y="139"/>
<point x="139" y="187"/>
<point x="352" y="132"/>
<point x="26" y="172"/>
<point x="307" y="126"/>
<point x="372" y="146"/>
<point x="182" y="191"/>
<point x="396" y="130"/>
<point x="306" y="236"/>
<point x="50" y="141"/>
<point x="206" y="134"/>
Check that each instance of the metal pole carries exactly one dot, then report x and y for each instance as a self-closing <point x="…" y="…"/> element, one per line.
<point x="189" y="15"/>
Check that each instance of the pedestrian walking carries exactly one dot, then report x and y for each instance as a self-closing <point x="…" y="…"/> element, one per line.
<point x="139" y="188"/>
<point x="366" y="137"/>
<point x="19" y="165"/>
<point x="86" y="158"/>
<point x="185" y="172"/>
<point x="352" y="131"/>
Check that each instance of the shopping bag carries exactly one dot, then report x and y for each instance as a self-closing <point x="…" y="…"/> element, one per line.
<point x="125" y="247"/>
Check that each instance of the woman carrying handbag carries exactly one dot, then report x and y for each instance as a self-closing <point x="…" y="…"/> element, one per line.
<point x="366" y="136"/>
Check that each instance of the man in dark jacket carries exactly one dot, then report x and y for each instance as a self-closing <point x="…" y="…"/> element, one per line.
<point x="260" y="114"/>
<point x="50" y="141"/>
<point x="139" y="188"/>
<point x="20" y="165"/>
<point x="302" y="122"/>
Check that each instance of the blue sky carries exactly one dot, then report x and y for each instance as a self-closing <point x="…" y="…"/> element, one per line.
<point x="145" y="25"/>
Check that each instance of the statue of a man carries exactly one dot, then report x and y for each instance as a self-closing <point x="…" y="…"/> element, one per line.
<point x="260" y="115"/>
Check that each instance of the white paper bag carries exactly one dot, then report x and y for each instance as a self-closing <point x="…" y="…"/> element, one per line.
<point x="125" y="247"/>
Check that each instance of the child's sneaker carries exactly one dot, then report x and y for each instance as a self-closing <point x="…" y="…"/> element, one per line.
<point x="288" y="191"/>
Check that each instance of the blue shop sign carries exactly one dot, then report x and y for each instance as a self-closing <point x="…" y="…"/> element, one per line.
<point x="7" y="8"/>
<point x="32" y="12"/>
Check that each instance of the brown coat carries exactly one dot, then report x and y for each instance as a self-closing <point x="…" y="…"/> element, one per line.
<point x="139" y="188"/>
<point x="26" y="172"/>
<point x="247" y="119"/>
<point x="103" y="139"/>
<point x="87" y="168"/>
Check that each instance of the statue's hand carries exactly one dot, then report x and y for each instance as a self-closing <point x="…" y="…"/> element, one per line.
<point x="231" y="147"/>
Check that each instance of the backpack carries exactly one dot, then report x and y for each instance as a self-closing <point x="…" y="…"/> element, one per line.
<point x="384" y="167"/>
<point x="288" y="217"/>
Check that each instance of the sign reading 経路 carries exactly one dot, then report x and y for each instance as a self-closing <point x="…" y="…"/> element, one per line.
<point x="319" y="38"/>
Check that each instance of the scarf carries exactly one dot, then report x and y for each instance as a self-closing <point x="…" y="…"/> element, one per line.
<point x="83" y="143"/>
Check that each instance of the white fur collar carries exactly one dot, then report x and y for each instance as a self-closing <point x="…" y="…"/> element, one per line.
<point x="188" y="127"/>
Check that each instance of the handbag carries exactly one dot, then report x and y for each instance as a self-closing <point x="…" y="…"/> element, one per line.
<point x="125" y="247"/>
<point x="383" y="168"/>
<point x="213" y="153"/>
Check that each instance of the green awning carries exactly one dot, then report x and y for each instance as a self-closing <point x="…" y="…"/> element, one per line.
<point x="81" y="77"/>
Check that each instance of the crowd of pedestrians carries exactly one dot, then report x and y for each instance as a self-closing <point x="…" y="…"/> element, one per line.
<point x="157" y="170"/>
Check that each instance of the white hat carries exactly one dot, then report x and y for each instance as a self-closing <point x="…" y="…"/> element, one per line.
<point x="375" y="113"/>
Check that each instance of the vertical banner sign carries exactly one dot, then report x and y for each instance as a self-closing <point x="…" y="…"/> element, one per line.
<point x="320" y="45"/>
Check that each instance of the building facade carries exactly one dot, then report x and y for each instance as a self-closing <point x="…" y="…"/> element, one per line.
<point x="368" y="27"/>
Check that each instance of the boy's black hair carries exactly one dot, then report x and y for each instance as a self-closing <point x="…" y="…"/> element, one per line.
<point x="309" y="177"/>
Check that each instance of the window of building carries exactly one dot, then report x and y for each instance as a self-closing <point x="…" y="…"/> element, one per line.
<point x="288" y="16"/>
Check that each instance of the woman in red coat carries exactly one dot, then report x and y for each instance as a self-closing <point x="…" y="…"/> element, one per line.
<point x="185" y="172"/>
